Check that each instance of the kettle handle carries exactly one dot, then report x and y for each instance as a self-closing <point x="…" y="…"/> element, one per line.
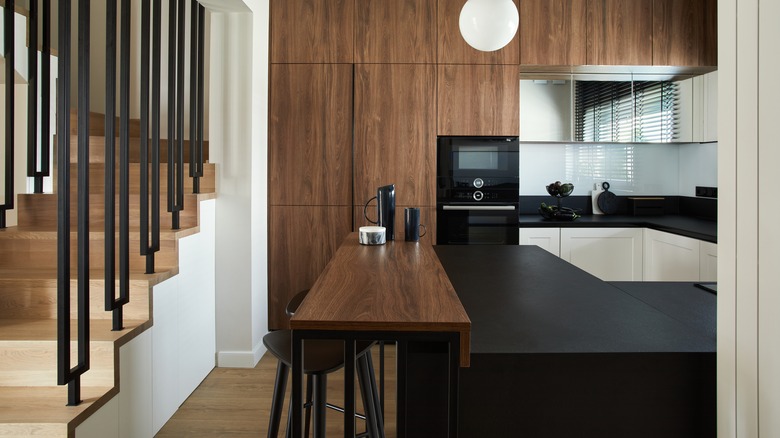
<point x="365" y="214"/>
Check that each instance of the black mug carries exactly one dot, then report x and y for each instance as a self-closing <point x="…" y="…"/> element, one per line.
<point x="412" y="225"/>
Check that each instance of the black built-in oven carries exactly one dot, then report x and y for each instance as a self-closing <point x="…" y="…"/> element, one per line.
<point x="477" y="190"/>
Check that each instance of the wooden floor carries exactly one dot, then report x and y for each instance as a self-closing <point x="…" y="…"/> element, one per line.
<point x="236" y="402"/>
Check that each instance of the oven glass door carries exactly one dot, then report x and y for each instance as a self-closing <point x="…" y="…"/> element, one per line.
<point x="477" y="225"/>
<point x="484" y="157"/>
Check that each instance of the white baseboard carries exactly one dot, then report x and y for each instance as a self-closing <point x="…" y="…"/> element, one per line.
<point x="241" y="359"/>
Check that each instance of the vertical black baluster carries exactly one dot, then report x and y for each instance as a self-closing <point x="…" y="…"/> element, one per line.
<point x="145" y="250"/>
<point x="180" y="116"/>
<point x="124" y="163"/>
<point x="83" y="187"/>
<point x="110" y="161"/>
<point x="8" y="53"/>
<point x="156" y="62"/>
<point x="193" y="91"/>
<point x="172" y="110"/>
<point x="201" y="61"/>
<point x="45" y="96"/>
<point x="32" y="98"/>
<point x="63" y="205"/>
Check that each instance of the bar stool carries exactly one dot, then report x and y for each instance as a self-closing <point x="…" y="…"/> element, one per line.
<point x="321" y="357"/>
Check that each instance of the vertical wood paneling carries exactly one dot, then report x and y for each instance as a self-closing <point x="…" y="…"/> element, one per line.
<point x="453" y="49"/>
<point x="395" y="31"/>
<point x="684" y="33"/>
<point x="395" y="132"/>
<point x="302" y="241"/>
<point x="478" y="100"/>
<point x="310" y="134"/>
<point x="553" y="32"/>
<point x="312" y="31"/>
<point x="621" y="32"/>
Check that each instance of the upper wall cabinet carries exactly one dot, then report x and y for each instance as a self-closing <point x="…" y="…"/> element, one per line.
<point x="310" y="134"/>
<point x="395" y="31"/>
<point x="621" y="32"/>
<point x="395" y="131"/>
<point x="685" y="32"/>
<point x="312" y="31"/>
<point x="453" y="49"/>
<point x="552" y="32"/>
<point x="478" y="100"/>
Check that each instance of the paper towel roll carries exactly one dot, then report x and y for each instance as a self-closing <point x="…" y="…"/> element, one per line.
<point x="594" y="197"/>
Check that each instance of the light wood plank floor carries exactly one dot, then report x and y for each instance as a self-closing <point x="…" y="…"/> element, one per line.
<point x="236" y="402"/>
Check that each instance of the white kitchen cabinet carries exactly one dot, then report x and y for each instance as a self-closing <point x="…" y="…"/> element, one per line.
<point x="549" y="239"/>
<point x="705" y="107"/>
<point x="669" y="257"/>
<point x="611" y="254"/>
<point x="708" y="261"/>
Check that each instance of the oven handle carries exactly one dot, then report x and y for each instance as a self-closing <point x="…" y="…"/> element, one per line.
<point x="479" y="207"/>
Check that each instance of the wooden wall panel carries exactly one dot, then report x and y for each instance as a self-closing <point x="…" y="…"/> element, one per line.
<point x="312" y="31"/>
<point x="620" y="33"/>
<point x="310" y="134"/>
<point x="478" y="100"/>
<point x="685" y="32"/>
<point x="395" y="31"/>
<point x="453" y="49"/>
<point x="553" y="32"/>
<point x="302" y="242"/>
<point x="395" y="132"/>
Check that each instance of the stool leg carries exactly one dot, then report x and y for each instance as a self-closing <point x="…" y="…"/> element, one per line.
<point x="319" y="404"/>
<point x="366" y="391"/>
<point x="380" y="415"/>
<point x="280" y="384"/>
<point x="309" y="388"/>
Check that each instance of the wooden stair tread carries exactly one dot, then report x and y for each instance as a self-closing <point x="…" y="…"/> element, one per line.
<point x="45" y="330"/>
<point x="46" y="404"/>
<point x="46" y="274"/>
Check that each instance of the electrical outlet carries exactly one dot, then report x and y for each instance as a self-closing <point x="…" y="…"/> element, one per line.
<point x="706" y="192"/>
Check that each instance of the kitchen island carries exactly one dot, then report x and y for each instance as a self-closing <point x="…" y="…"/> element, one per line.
<point x="556" y="352"/>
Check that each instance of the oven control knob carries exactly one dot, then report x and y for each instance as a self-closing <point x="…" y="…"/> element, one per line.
<point x="478" y="183"/>
<point x="478" y="196"/>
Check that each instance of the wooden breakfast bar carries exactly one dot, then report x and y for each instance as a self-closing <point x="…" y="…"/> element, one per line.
<point x="400" y="292"/>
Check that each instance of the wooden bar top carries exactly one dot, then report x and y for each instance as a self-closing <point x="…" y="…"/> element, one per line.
<point x="399" y="286"/>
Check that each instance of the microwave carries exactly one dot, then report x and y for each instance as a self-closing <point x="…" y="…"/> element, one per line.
<point x="462" y="158"/>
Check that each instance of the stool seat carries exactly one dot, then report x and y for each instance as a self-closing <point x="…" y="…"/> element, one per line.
<point x="322" y="356"/>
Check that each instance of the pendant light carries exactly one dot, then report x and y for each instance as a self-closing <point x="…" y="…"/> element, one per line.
<point x="489" y="25"/>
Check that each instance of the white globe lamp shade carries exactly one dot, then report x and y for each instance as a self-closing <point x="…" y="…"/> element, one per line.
<point x="489" y="25"/>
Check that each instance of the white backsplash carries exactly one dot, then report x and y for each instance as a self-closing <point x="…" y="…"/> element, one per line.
<point x="631" y="169"/>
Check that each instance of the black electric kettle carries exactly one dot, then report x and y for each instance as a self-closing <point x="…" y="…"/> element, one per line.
<point x="385" y="204"/>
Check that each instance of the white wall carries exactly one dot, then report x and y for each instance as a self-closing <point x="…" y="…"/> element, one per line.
<point x="748" y="235"/>
<point x="655" y="169"/>
<point x="239" y="72"/>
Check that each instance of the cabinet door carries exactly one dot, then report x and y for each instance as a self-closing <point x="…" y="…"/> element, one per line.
<point x="310" y="134"/>
<point x="620" y="32"/>
<point x="301" y="242"/>
<point x="705" y="107"/>
<point x="611" y="254"/>
<point x="708" y="261"/>
<point x="479" y="100"/>
<point x="395" y="31"/>
<point x="669" y="257"/>
<point x="552" y="32"/>
<point x="685" y="32"/>
<point x="312" y="31"/>
<point x="549" y="239"/>
<point x="453" y="49"/>
<point x="395" y="137"/>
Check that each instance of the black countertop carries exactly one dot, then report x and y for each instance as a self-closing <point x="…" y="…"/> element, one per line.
<point x="688" y="226"/>
<point x="521" y="299"/>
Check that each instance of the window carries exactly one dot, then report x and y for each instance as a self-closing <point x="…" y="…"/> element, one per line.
<point x="638" y="111"/>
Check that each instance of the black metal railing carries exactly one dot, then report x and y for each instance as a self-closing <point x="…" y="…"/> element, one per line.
<point x="117" y="153"/>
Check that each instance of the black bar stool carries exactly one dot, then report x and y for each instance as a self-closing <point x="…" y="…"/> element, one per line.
<point x="321" y="357"/>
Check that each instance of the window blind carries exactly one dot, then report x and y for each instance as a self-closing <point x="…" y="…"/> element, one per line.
<point x="638" y="111"/>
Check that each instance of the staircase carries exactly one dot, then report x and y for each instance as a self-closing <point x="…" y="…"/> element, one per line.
<point x="31" y="403"/>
